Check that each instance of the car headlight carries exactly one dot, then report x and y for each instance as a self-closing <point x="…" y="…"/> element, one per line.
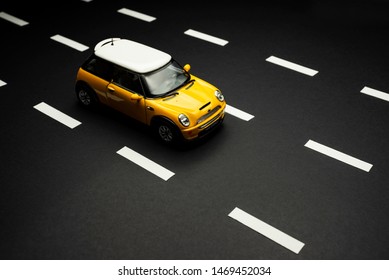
<point x="219" y="95"/>
<point x="184" y="120"/>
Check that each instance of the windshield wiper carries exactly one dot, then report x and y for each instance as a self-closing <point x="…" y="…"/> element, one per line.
<point x="171" y="93"/>
<point x="191" y="82"/>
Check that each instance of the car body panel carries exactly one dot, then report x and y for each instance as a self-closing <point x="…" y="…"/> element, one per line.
<point x="131" y="104"/>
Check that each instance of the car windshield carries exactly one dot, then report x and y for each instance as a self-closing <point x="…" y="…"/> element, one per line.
<point x="167" y="79"/>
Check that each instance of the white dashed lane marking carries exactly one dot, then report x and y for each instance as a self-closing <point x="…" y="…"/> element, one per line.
<point x="2" y="83"/>
<point x="69" y="42"/>
<point x="146" y="163"/>
<point x="238" y="113"/>
<point x="136" y="14"/>
<point x="339" y="155"/>
<point x="13" y="19"/>
<point x="57" y="115"/>
<point x="267" y="230"/>
<point x="375" y="93"/>
<point x="206" y="37"/>
<point x="292" y="66"/>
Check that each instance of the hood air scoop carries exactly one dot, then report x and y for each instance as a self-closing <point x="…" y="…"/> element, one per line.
<point x="205" y="105"/>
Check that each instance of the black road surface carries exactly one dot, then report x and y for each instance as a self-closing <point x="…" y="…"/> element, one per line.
<point x="66" y="194"/>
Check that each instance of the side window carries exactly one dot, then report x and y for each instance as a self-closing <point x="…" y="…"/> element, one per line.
<point x="99" y="67"/>
<point x="128" y="81"/>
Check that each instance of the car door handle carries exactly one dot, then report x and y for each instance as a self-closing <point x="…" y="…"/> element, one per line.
<point x="150" y="108"/>
<point x="111" y="89"/>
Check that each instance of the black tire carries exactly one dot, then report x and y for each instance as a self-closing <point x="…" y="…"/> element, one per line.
<point x="86" y="96"/>
<point x="166" y="132"/>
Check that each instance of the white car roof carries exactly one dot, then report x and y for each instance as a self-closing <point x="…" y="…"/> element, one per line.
<point x="131" y="55"/>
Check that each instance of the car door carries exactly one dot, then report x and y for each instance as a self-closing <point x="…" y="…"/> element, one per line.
<point x="125" y="94"/>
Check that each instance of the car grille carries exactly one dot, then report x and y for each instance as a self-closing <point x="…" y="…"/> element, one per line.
<point x="210" y="121"/>
<point x="212" y="126"/>
<point x="207" y="115"/>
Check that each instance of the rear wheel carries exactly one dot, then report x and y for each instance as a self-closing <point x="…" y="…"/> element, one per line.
<point x="86" y="96"/>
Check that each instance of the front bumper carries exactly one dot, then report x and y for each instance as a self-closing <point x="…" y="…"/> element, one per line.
<point x="205" y="127"/>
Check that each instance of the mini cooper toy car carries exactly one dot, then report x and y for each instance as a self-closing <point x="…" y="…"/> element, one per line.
<point x="150" y="86"/>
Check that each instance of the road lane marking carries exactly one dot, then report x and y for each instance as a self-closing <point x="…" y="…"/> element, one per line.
<point x="57" y="115"/>
<point x="292" y="66"/>
<point x="136" y="14"/>
<point x="375" y="93"/>
<point x="206" y="37"/>
<point x="2" y="83"/>
<point x="69" y="42"/>
<point x="338" y="155"/>
<point x="238" y="113"/>
<point x="13" y="19"/>
<point x="146" y="163"/>
<point x="267" y="230"/>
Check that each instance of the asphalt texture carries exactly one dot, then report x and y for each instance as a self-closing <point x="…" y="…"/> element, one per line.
<point x="66" y="193"/>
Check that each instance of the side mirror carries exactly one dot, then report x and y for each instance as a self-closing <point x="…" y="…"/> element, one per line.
<point x="187" y="67"/>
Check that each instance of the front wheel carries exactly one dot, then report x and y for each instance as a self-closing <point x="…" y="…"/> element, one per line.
<point x="166" y="132"/>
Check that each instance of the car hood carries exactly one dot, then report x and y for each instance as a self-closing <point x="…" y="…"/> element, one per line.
<point x="195" y="98"/>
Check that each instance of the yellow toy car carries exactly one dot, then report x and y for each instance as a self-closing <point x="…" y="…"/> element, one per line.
<point x="150" y="86"/>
